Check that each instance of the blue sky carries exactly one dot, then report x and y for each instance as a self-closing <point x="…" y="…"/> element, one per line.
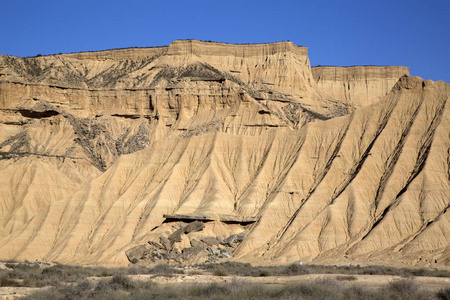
<point x="409" y="33"/>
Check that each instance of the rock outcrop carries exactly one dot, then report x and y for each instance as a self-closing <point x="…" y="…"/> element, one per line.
<point x="358" y="85"/>
<point x="204" y="151"/>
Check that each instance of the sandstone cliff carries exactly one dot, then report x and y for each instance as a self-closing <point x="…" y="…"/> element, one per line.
<point x="358" y="85"/>
<point x="107" y="157"/>
<point x="119" y="101"/>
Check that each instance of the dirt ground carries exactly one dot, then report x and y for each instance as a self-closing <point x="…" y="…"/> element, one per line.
<point x="10" y="293"/>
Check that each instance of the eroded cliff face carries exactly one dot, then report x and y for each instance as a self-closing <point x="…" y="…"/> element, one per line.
<point x="358" y="85"/>
<point x="160" y="154"/>
<point x="271" y="72"/>
<point x="120" y="101"/>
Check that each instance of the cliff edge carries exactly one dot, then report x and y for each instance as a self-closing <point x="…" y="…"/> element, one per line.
<point x="357" y="85"/>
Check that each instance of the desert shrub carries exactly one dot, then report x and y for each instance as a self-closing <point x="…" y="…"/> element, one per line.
<point x="413" y="272"/>
<point x="245" y="269"/>
<point x="76" y="293"/>
<point x="53" y="276"/>
<point x="380" y="270"/>
<point x="403" y="289"/>
<point x="242" y="269"/>
<point x="440" y="273"/>
<point x="443" y="294"/>
<point x="322" y="288"/>
<point x="209" y="290"/>
<point x="220" y="272"/>
<point x="163" y="269"/>
<point x="264" y="273"/>
<point x="346" y="278"/>
<point x="302" y="288"/>
<point x="47" y="294"/>
<point x="122" y="282"/>
<point x="130" y="270"/>
<point x="5" y="280"/>
<point x="359" y="292"/>
<point x="195" y="272"/>
<point x="151" y="290"/>
<point x="328" y="283"/>
<point x="30" y="275"/>
<point x="376" y="270"/>
<point x="52" y="271"/>
<point x="234" y="268"/>
<point x="117" y="282"/>
<point x="70" y="282"/>
<point x="102" y="285"/>
<point x="84" y="285"/>
<point x="295" y="269"/>
<point x="426" y="272"/>
<point x="403" y="286"/>
<point x="22" y="266"/>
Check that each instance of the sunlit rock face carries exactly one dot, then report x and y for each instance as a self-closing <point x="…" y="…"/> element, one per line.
<point x="358" y="85"/>
<point x="202" y="151"/>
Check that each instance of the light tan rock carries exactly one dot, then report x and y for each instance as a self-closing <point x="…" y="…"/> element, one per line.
<point x="358" y="85"/>
<point x="237" y="136"/>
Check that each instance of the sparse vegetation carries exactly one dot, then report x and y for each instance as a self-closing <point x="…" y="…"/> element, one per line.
<point x="195" y="272"/>
<point x="220" y="272"/>
<point x="32" y="275"/>
<point x="164" y="270"/>
<point x="294" y="269"/>
<point x="73" y="282"/>
<point x="122" y="287"/>
<point x="121" y="281"/>
<point x="246" y="269"/>
<point x="443" y="294"/>
<point x="346" y="278"/>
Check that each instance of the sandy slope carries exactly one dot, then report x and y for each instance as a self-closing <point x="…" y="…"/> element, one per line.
<point x="219" y="132"/>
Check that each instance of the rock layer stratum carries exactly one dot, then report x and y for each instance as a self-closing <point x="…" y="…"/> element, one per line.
<point x="204" y="151"/>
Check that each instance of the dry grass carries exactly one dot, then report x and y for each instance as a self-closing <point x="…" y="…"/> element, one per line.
<point x="32" y="275"/>
<point x="443" y="294"/>
<point x="71" y="282"/>
<point x="346" y="278"/>
<point x="122" y="287"/>
<point x="246" y="269"/>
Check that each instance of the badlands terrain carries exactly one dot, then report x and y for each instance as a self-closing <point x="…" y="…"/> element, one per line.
<point x="204" y="152"/>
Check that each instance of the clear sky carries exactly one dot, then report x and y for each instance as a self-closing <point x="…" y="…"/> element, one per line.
<point x="409" y="33"/>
